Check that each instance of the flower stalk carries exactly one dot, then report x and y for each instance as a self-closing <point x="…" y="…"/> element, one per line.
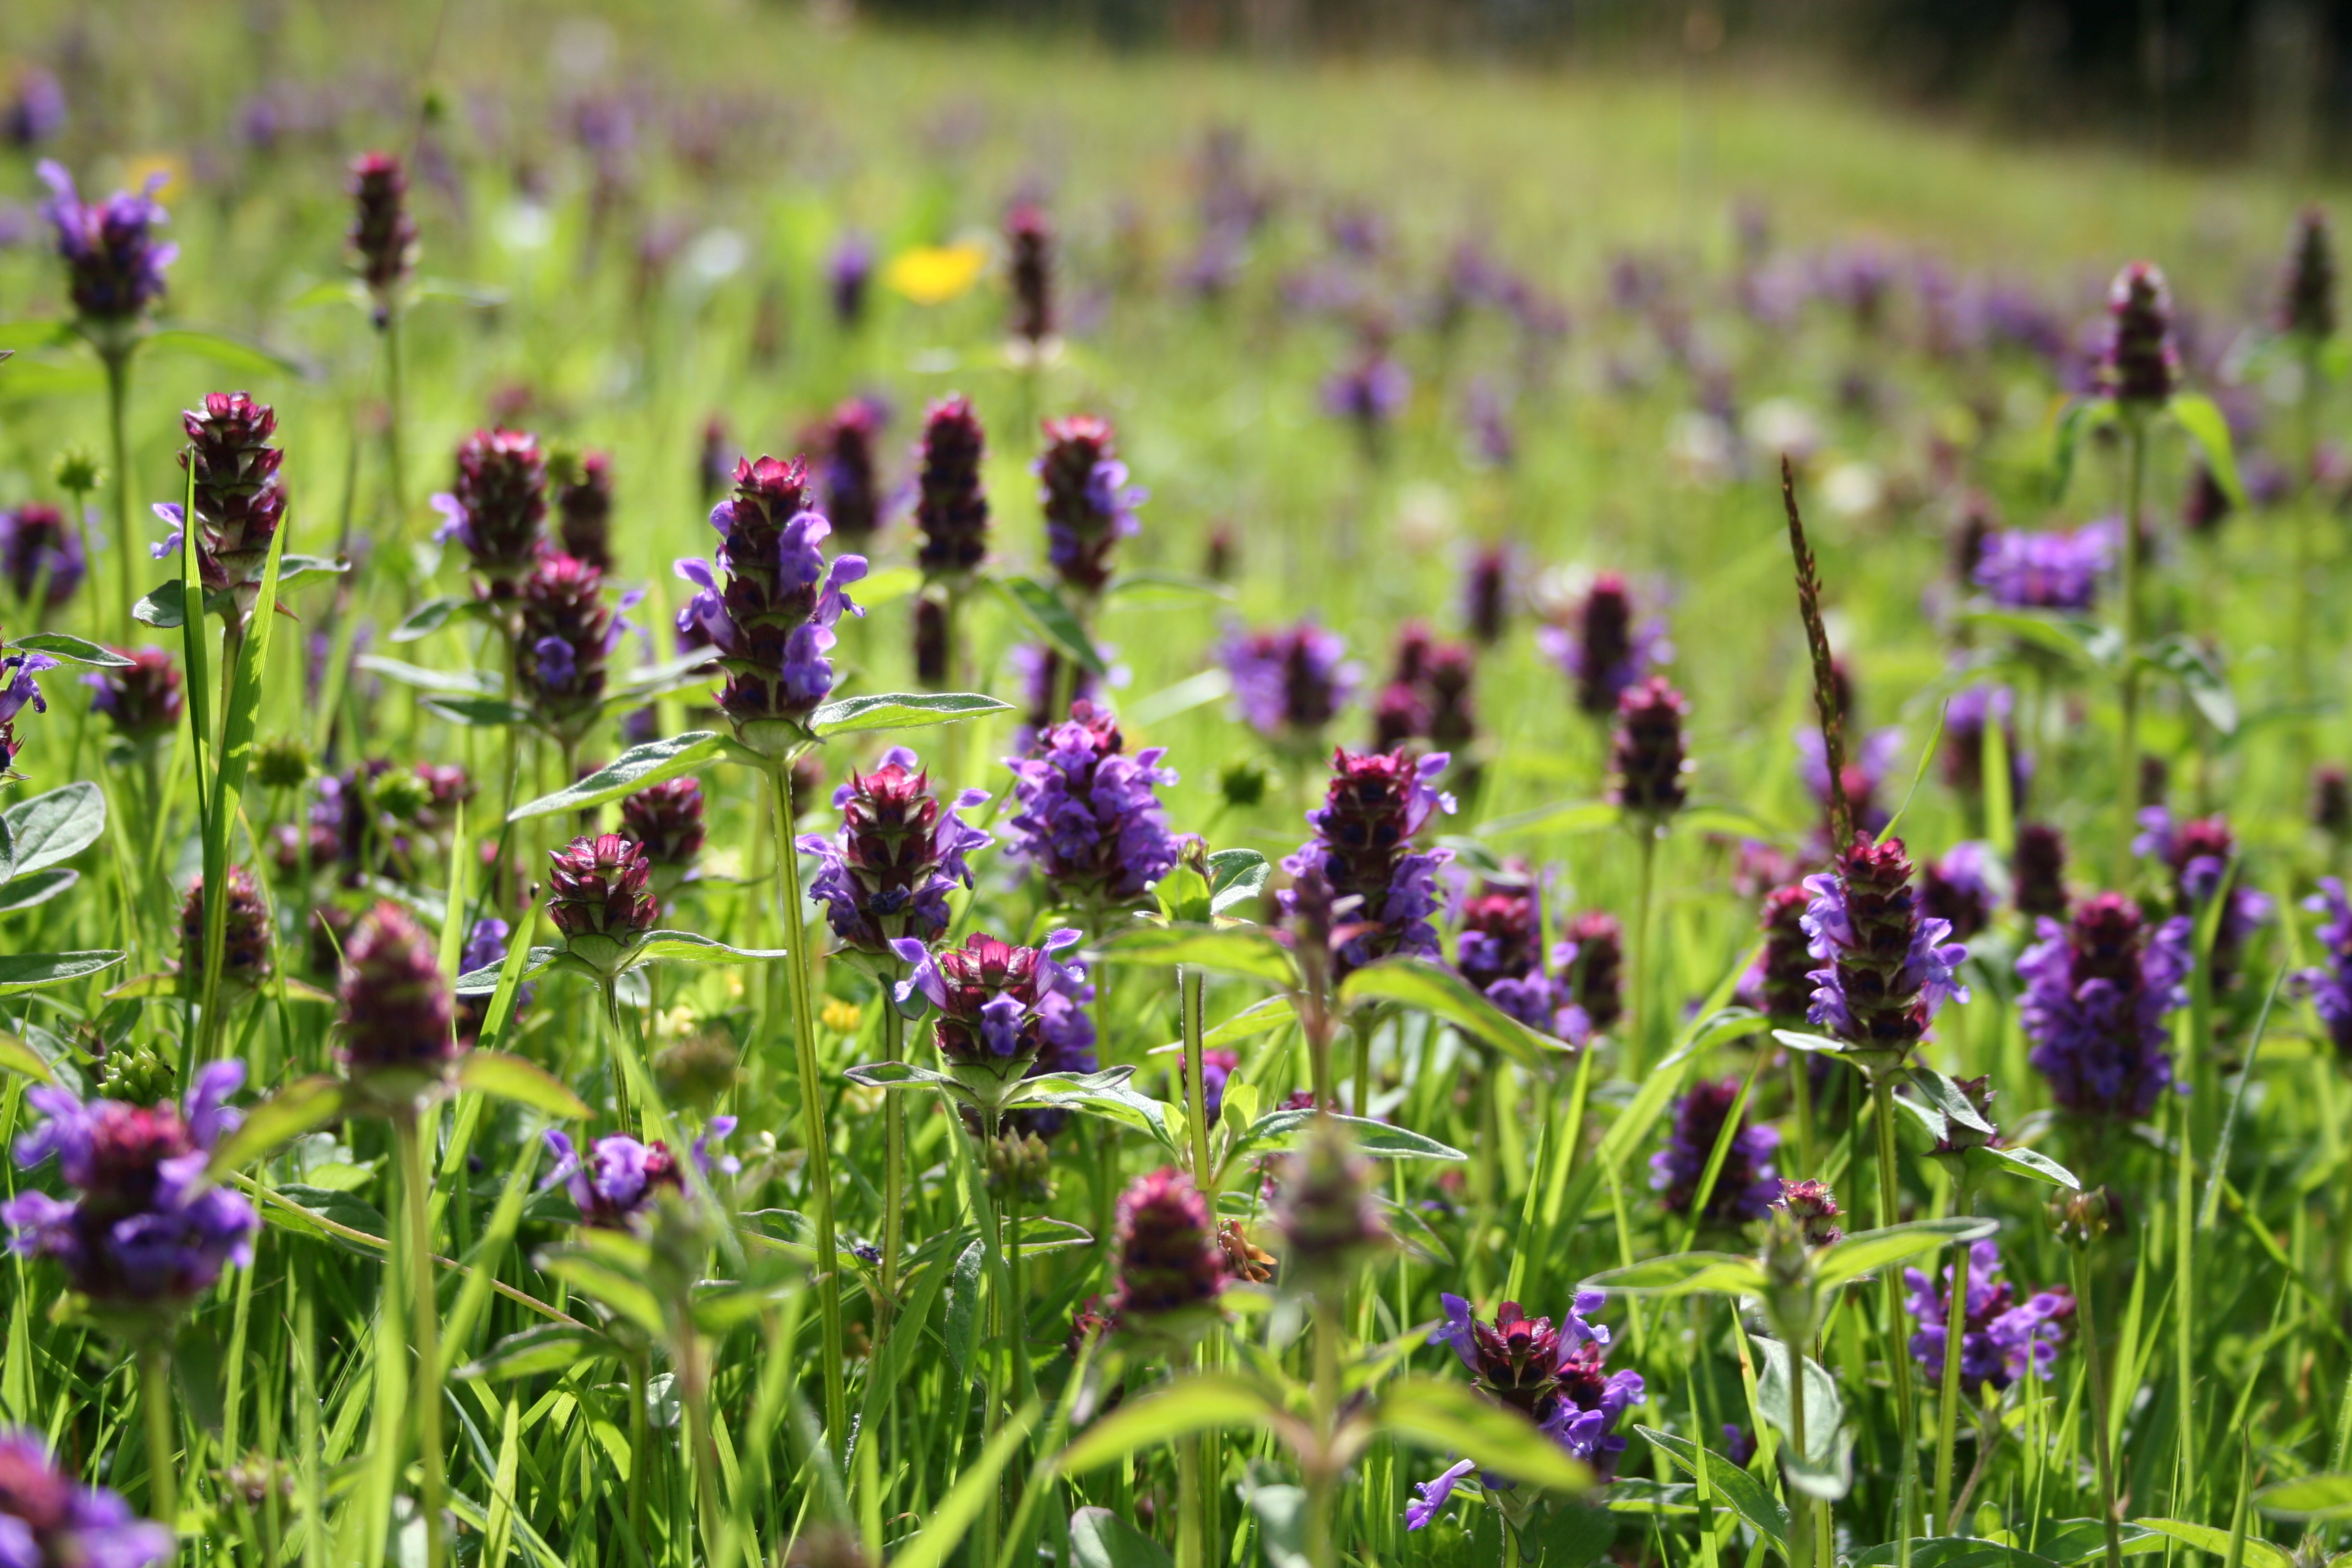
<point x="424" y="1326"/>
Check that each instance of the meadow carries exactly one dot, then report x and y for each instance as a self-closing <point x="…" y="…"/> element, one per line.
<point x="1494" y="772"/>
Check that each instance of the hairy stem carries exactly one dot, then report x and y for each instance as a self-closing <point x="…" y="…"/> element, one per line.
<point x="1956" y="1314"/>
<point x="1898" y="1358"/>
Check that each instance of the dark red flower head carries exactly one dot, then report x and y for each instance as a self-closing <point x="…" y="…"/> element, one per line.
<point x="1029" y="239"/>
<point x="396" y="1005"/>
<point x="1168" y="1255"/>
<point x="497" y="508"/>
<point x="952" y="511"/>
<point x="1646" y="755"/>
<point x="382" y="234"/>
<point x="597" y="886"/>
<point x="2142" y="364"/>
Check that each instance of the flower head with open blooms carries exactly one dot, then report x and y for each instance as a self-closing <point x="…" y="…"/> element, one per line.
<point x="1171" y="1266"/>
<point x="1886" y="968"/>
<point x="145" y="1232"/>
<point x="1745" y="1188"/>
<point x="2058" y="570"/>
<point x="240" y="498"/>
<point x="2001" y="1337"/>
<point x="2097" y="991"/>
<point x="1089" y="818"/>
<point x="41" y="554"/>
<point x="1646" y="760"/>
<point x="2306" y="296"/>
<point x="22" y="671"/>
<point x="584" y="506"/>
<point x="2141" y="364"/>
<point x="2197" y="852"/>
<point x="1089" y="506"/>
<point x="899" y="853"/>
<point x="396" y="1008"/>
<point x="600" y="898"/>
<point x="615" y="1181"/>
<point x="245" y="934"/>
<point x="1029" y="271"/>
<point x="771" y="620"/>
<point x="1000" y="1005"/>
<point x="1500" y="950"/>
<point x="1812" y="1209"/>
<point x="1376" y="804"/>
<point x="852" y="492"/>
<point x="114" y="263"/>
<point x="1602" y="647"/>
<point x="1290" y="682"/>
<point x="48" y="1520"/>
<point x="140" y="700"/>
<point x="952" y="509"/>
<point x="382" y="235"/>
<point x="497" y="510"/>
<point x="2328" y="983"/>
<point x="567" y="632"/>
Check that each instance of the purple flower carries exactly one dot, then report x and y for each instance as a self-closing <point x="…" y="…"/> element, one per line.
<point x="617" y="1180"/>
<point x="999" y="1005"/>
<point x="1645" y="755"/>
<point x="1217" y="1066"/>
<point x="1957" y="890"/>
<point x="1866" y="771"/>
<point x="2198" y="853"/>
<point x="1486" y="595"/>
<point x="1886" y="968"/>
<point x="772" y="619"/>
<point x="41" y="554"/>
<point x="1434" y="1495"/>
<point x="35" y="111"/>
<point x="1089" y="506"/>
<point x="567" y="632"/>
<point x="1746" y="1185"/>
<point x="2097" y="991"/>
<point x="496" y="511"/>
<point x="1965" y="718"/>
<point x="2141" y="364"/>
<point x="600" y="898"/>
<point x="1362" y="847"/>
<point x="1029" y="247"/>
<point x="2001" y="1338"/>
<point x="1589" y="960"/>
<point x="1368" y="391"/>
<point x="486" y="944"/>
<point x="1169" y="1258"/>
<point x="1813" y="1209"/>
<point x="2054" y="571"/>
<point x="2329" y="983"/>
<point x="141" y="700"/>
<point x="666" y="821"/>
<point x="853" y="496"/>
<point x="146" y="1230"/>
<point x="382" y="234"/>
<point x="1781" y="983"/>
<point x="1500" y="950"/>
<point x="899" y="855"/>
<point x="21" y="670"/>
<point x="1554" y="1377"/>
<point x="1089" y="820"/>
<point x="48" y="1520"/>
<point x="952" y="511"/>
<point x="2038" y="870"/>
<point x="847" y="272"/>
<point x="1289" y="683"/>
<point x="1601" y="648"/>
<point x="240" y="498"/>
<point x="114" y="263"/>
<point x="245" y="934"/>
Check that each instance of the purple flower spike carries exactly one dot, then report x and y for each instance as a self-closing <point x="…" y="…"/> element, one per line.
<point x="1813" y="1209"/>
<point x="114" y="263"/>
<point x="567" y="632"/>
<point x="1602" y="648"/>
<point x="1590" y="959"/>
<point x="2329" y="983"/>
<point x="1500" y="950"/>
<point x="1089" y="818"/>
<point x="1964" y="719"/>
<point x="1089" y="506"/>
<point x="35" y="110"/>
<point x="771" y="619"/>
<point x="1646" y="756"/>
<point x="900" y="854"/>
<point x="2141" y="366"/>
<point x="1554" y="1377"/>
<point x="383" y="236"/>
<point x="497" y="509"/>
<point x="1958" y="890"/>
<point x="1169" y="1259"/>
<point x="22" y="671"/>
<point x="2001" y="1338"/>
<point x="1000" y="1004"/>
<point x="396" y="1007"/>
<point x="2054" y="571"/>
<point x="2097" y="991"/>
<point x="847" y="274"/>
<point x="145" y="1233"/>
<point x="49" y="1518"/>
<point x="1290" y="683"/>
<point x="600" y="897"/>
<point x="143" y="699"/>
<point x="1745" y="1188"/>
<point x="616" y="1182"/>
<point x="41" y="554"/>
<point x="1486" y="595"/>
<point x="1780" y="985"/>
<point x="2198" y="853"/>
<point x="1886" y="968"/>
<point x="853" y="495"/>
<point x="1029" y="245"/>
<point x="1377" y="802"/>
<point x="953" y="513"/>
<point x="240" y="498"/>
<point x="2040" y="869"/>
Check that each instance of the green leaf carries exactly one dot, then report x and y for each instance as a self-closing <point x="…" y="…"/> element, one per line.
<point x="17" y="1056"/>
<point x="1201" y="1402"/>
<point x="2187" y="661"/>
<point x="899" y="1075"/>
<point x="1045" y="614"/>
<point x="2260" y="1554"/>
<point x="1819" y="1045"/>
<point x="2071" y="1541"/>
<point x="692" y="947"/>
<point x="1242" y="949"/>
<point x="478" y="713"/>
<point x="164" y="607"/>
<point x="1564" y="816"/>
<point x="54" y="828"/>
<point x="2028" y="1161"/>
<point x="1151" y="589"/>
<point x="458" y="291"/>
<point x="540" y="1349"/>
<point x="1432" y="987"/>
<point x="2325" y="1496"/>
<point x="1825" y="1469"/>
<point x="1871" y="1250"/>
<point x="1573" y="1535"/>
<point x="443" y="682"/>
<point x="1953" y="1552"/>
<point x="28" y="892"/>
<point x="1100" y="1538"/>
<point x="1279" y="1130"/>
<point x="961" y="1323"/>
<point x="953" y="1514"/>
<point x="520" y="1082"/>
<point x="484" y="982"/>
<point x="1449" y="1415"/>
<point x="633" y="770"/>
<point x="325" y="1213"/>
<point x="1684" y="1274"/>
<point x="230" y="353"/>
<point x="2202" y="419"/>
<point x="300" y="1108"/>
<point x="616" y="1286"/>
<point x="21" y="972"/>
<point x="73" y="649"/>
<point x="1746" y="1496"/>
<point x="2086" y="643"/>
<point x="1237" y="877"/>
<point x="294" y="568"/>
<point x="431" y="616"/>
<point x="1104" y="1094"/>
<point x="2080" y="416"/>
<point x="900" y="711"/>
<point x="1950" y="1101"/>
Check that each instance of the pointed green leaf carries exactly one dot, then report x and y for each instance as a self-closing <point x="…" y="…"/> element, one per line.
<point x="164" y="607"/>
<point x="1201" y="1402"/>
<point x="1280" y="1129"/>
<point x="2202" y="419"/>
<point x="2030" y="1163"/>
<point x="431" y="616"/>
<point x="2325" y="1496"/>
<point x="1237" y="877"/>
<point x="1953" y="1552"/>
<point x="633" y="770"/>
<point x="1247" y="951"/>
<point x="2260" y="1554"/>
<point x="17" y="1056"/>
<point x="1432" y="987"/>
<point x="1872" y="1250"/>
<point x="899" y="1075"/>
<point x="1448" y="1416"/>
<point x="484" y="982"/>
<point x="1747" y="1496"/>
<point x="73" y="649"/>
<point x="522" y="1082"/>
<point x="21" y="972"/>
<point x="1683" y="1274"/>
<point x="1048" y="617"/>
<point x="300" y="1108"/>
<point x="900" y="711"/>
<point x="1100" y="1538"/>
<point x="692" y="947"/>
<point x="1825" y="1469"/>
<point x="54" y="827"/>
<point x="540" y="1349"/>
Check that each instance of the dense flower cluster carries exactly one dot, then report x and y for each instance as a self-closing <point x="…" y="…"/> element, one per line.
<point x="1958" y="890"/>
<point x="1029" y="245"/>
<point x="899" y="855"/>
<point x="2039" y="868"/>
<point x="1377" y="802"/>
<point x="240" y="499"/>
<point x="1780" y="982"/>
<point x="1289" y="683"/>
<point x="2328" y="983"/>
<point x="852" y="492"/>
<point x="1602" y="646"/>
<point x="1000" y="1005"/>
<point x="2197" y="852"/>
<point x="1746" y="1185"/>
<point x="2141" y="366"/>
<point x="1089" y="504"/>
<point x="1646" y="763"/>
<point x="140" y="700"/>
<point x="497" y="510"/>
<point x="396" y="1006"/>
<point x="114" y="263"/>
<point x="1887" y="967"/>
<point x="1089" y="818"/>
<point x="772" y="619"/>
<point x="1813" y="1209"/>
<point x="2097" y="991"/>
<point x="600" y="898"/>
<point x="616" y="1181"/>
<point x="2001" y="1337"/>
<point x="1168" y="1258"/>
<point x="245" y="934"/>
<point x="2307" y="295"/>
<point x="145" y="1230"/>
<point x="41" y="554"/>
<point x="951" y="507"/>
<point x="383" y="236"/>
<point x="666" y="821"/>
<point x="48" y="1520"/>
<point x="2020" y="570"/>
<point x="568" y="633"/>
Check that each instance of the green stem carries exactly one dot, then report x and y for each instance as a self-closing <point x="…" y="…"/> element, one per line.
<point x="1637" y="1005"/>
<point x="2097" y="1367"/>
<point x="1882" y="1089"/>
<point x="2127" y="613"/>
<point x="894" y="1169"/>
<point x="640" y="1451"/>
<point x="396" y="453"/>
<point x="1196" y="1091"/>
<point x="117" y="399"/>
<point x="422" y="1328"/>
<point x="693" y="1383"/>
<point x="1947" y="1410"/>
<point x="1361" y="1025"/>
<point x="624" y="1058"/>
<point x="155" y="1391"/>
<point x="1801" y="1098"/>
<point x="1322" y="1551"/>
<point x="814" y="1134"/>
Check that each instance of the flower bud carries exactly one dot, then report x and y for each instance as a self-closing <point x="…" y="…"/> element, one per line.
<point x="853" y="495"/>
<point x="1646" y="754"/>
<point x="2141" y="367"/>
<point x="2306" y="299"/>
<point x="665" y="820"/>
<point x="41" y="554"/>
<point x="599" y="898"/>
<point x="396" y="1007"/>
<point x="951" y="512"/>
<point x="2039" y="866"/>
<point x="497" y="510"/>
<point x="1813" y="1209"/>
<point x="245" y="935"/>
<point x="932" y="652"/>
<point x="282" y="761"/>
<point x="1330" y="1222"/>
<point x="382" y="234"/>
<point x="1029" y="243"/>
<point x="1169" y="1259"/>
<point x="567" y="632"/>
<point x="140" y="700"/>
<point x="239" y="498"/>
